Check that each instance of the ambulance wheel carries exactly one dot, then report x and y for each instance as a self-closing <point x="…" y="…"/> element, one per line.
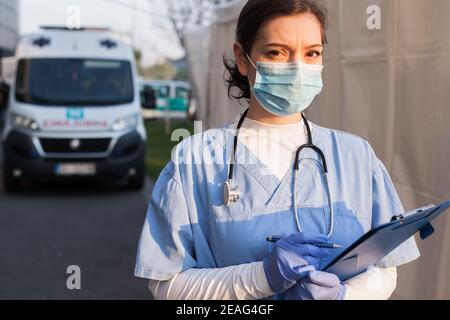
<point x="10" y="183"/>
<point x="136" y="183"/>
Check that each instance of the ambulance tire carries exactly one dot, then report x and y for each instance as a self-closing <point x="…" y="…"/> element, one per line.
<point x="10" y="183"/>
<point x="136" y="183"/>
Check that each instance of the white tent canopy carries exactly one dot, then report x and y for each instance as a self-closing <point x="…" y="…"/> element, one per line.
<point x="205" y="52"/>
<point x="197" y="45"/>
<point x="389" y="86"/>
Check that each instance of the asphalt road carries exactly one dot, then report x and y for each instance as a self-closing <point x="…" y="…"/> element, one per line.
<point x="50" y="227"/>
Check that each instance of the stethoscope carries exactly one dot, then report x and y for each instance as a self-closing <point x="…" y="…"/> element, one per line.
<point x="231" y="194"/>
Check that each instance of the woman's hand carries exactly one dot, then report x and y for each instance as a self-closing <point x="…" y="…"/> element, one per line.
<point x="317" y="285"/>
<point x="292" y="259"/>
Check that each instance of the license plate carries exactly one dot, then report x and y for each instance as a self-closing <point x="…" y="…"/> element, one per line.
<point x="76" y="169"/>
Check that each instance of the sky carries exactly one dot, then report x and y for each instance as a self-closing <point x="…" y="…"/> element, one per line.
<point x="148" y="28"/>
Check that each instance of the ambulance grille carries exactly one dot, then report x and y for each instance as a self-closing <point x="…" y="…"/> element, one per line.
<point x="75" y="145"/>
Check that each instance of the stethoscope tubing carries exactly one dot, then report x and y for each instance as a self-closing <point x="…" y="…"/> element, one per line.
<point x="308" y="145"/>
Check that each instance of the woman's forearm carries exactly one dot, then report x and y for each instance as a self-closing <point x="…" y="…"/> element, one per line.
<point x="248" y="282"/>
<point x="242" y="282"/>
<point x="374" y="284"/>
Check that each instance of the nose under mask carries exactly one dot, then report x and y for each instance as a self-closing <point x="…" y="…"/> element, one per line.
<point x="285" y="89"/>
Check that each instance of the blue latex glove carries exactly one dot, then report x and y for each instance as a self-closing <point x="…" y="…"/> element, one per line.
<point x="292" y="259"/>
<point x="317" y="285"/>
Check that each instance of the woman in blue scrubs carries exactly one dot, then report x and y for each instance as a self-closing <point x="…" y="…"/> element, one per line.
<point x="205" y="233"/>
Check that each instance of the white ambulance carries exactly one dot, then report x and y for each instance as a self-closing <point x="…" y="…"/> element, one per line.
<point x="72" y="109"/>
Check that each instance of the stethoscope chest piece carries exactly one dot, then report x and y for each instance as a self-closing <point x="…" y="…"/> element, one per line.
<point x="230" y="194"/>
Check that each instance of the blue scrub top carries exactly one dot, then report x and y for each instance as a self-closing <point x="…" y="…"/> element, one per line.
<point x="188" y="225"/>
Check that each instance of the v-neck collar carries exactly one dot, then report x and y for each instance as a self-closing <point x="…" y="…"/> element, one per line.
<point x="246" y="159"/>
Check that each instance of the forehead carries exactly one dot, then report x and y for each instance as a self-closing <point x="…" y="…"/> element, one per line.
<point x="292" y="29"/>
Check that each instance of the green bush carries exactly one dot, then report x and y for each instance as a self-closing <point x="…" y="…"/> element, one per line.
<point x="160" y="146"/>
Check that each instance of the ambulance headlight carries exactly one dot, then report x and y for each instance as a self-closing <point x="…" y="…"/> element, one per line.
<point x="24" y="122"/>
<point x="125" y="123"/>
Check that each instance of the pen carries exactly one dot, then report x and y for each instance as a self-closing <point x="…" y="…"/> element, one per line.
<point x="317" y="244"/>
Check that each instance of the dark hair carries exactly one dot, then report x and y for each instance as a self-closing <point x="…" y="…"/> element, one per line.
<point x="253" y="16"/>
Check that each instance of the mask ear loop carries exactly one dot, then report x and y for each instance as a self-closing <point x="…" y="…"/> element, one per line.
<point x="246" y="54"/>
<point x="253" y="65"/>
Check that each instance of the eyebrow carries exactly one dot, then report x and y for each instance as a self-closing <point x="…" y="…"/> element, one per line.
<point x="314" y="46"/>
<point x="287" y="47"/>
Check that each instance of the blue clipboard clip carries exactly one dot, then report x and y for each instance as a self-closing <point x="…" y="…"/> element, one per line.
<point x="427" y="231"/>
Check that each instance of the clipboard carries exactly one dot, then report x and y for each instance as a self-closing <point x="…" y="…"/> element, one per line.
<point x="380" y="241"/>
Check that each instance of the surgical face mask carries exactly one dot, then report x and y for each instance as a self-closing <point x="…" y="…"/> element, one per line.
<point x="285" y="89"/>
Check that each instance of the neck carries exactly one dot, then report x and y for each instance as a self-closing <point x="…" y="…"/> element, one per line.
<point x="258" y="113"/>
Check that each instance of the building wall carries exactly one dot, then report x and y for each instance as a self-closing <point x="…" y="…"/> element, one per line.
<point x="9" y="26"/>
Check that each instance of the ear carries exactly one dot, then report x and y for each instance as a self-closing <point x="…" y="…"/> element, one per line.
<point x="241" y="59"/>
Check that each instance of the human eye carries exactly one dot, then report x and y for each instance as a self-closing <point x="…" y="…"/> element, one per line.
<point x="314" y="54"/>
<point x="274" y="53"/>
